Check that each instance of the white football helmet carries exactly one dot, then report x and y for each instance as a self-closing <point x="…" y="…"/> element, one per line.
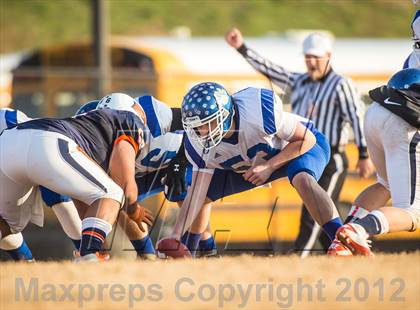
<point x="117" y="101"/>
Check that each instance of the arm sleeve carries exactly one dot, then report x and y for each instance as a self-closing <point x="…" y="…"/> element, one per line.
<point x="277" y="74"/>
<point x="352" y="108"/>
<point x="286" y="125"/>
<point x="176" y="123"/>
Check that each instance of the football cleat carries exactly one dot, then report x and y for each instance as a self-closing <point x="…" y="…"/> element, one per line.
<point x="207" y="254"/>
<point x="96" y="257"/>
<point x="338" y="249"/>
<point x="355" y="238"/>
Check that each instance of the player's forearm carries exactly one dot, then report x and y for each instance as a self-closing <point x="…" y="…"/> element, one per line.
<point x="122" y="170"/>
<point x="277" y="74"/>
<point x="192" y="204"/>
<point x="291" y="151"/>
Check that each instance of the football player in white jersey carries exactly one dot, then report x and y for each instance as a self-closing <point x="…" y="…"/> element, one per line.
<point x="392" y="126"/>
<point x="236" y="143"/>
<point x="62" y="205"/>
<point x="413" y="60"/>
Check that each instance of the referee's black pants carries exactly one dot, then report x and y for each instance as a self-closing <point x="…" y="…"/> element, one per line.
<point x="331" y="181"/>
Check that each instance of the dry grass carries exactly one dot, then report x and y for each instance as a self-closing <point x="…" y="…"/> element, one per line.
<point x="229" y="279"/>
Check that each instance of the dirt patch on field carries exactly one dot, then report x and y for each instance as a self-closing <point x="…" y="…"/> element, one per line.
<point x="244" y="282"/>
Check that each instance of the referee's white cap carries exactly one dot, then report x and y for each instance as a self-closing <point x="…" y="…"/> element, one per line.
<point x="317" y="44"/>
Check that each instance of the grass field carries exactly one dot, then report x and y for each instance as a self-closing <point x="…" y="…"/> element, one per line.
<point x="385" y="282"/>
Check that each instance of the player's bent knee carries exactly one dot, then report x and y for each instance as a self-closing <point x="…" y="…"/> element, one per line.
<point x="415" y="217"/>
<point x="303" y="181"/>
<point x="11" y="242"/>
<point x="114" y="192"/>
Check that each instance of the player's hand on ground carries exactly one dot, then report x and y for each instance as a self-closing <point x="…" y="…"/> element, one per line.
<point x="258" y="175"/>
<point x="234" y="38"/>
<point x="142" y="215"/>
<point x="365" y="167"/>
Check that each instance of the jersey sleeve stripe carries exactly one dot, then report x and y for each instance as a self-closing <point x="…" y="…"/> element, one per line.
<point x="11" y="118"/>
<point x="193" y="154"/>
<point x="152" y="119"/>
<point x="267" y="108"/>
<point x="129" y="140"/>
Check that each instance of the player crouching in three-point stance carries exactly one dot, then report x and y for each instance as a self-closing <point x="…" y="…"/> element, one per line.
<point x="236" y="143"/>
<point x="72" y="156"/>
<point x="392" y="126"/>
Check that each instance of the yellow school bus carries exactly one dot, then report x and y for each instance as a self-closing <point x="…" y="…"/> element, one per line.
<point x="55" y="81"/>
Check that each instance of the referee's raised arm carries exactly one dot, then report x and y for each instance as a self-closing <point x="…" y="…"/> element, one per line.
<point x="277" y="74"/>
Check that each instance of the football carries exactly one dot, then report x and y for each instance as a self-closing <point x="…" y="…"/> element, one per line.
<point x="172" y="248"/>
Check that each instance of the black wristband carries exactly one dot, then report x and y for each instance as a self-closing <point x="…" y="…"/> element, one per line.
<point x="363" y="153"/>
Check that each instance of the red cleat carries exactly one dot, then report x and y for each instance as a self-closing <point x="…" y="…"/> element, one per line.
<point x="338" y="249"/>
<point x="355" y="238"/>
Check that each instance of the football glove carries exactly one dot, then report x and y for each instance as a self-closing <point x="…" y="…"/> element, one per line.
<point x="174" y="180"/>
<point x="141" y="215"/>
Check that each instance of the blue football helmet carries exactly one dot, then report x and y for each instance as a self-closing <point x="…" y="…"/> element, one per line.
<point x="407" y="83"/>
<point x="404" y="79"/>
<point x="87" y="107"/>
<point x="205" y="104"/>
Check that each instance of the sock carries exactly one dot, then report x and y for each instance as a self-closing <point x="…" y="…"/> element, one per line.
<point x="356" y="213"/>
<point x="331" y="227"/>
<point x="207" y="245"/>
<point x="184" y="237"/>
<point x="21" y="253"/>
<point x="374" y="223"/>
<point x="94" y="232"/>
<point x="143" y="246"/>
<point x="191" y="241"/>
<point x="76" y="243"/>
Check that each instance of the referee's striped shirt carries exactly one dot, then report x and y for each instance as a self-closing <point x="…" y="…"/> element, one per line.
<point x="330" y="102"/>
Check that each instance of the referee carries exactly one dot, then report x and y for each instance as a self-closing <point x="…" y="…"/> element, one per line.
<point x="330" y="101"/>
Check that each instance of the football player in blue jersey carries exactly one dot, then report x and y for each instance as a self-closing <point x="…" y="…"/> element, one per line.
<point x="236" y="143"/>
<point x="62" y="205"/>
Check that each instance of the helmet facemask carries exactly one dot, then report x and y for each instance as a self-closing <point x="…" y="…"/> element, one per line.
<point x="214" y="136"/>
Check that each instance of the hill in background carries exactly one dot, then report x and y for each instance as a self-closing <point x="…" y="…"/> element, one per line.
<point x="35" y="23"/>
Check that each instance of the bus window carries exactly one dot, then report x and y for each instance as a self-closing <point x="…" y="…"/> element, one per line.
<point x="68" y="102"/>
<point x="30" y="103"/>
